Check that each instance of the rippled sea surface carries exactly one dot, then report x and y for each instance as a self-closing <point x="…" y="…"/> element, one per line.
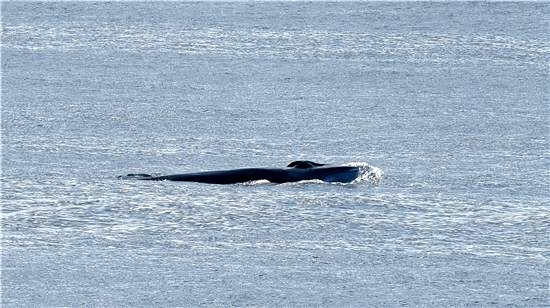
<point x="449" y="100"/>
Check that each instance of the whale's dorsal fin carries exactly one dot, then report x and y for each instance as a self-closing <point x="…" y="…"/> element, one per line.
<point x="304" y="164"/>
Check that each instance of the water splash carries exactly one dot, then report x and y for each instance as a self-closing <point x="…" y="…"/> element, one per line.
<point x="367" y="173"/>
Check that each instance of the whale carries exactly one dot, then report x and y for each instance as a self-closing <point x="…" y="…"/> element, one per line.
<point x="296" y="171"/>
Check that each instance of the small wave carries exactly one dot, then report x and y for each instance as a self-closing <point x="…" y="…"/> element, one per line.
<point x="308" y="182"/>
<point x="266" y="182"/>
<point x="254" y="183"/>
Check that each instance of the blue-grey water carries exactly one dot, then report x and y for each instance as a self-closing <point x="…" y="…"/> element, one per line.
<point x="449" y="100"/>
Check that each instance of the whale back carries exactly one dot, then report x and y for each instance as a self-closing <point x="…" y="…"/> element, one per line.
<point x="304" y="164"/>
<point x="296" y="171"/>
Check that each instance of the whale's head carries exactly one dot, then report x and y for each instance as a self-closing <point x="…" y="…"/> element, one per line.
<point x="304" y="164"/>
<point x="340" y="174"/>
<point x="327" y="173"/>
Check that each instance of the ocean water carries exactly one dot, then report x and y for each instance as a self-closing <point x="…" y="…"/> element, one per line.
<point x="449" y="101"/>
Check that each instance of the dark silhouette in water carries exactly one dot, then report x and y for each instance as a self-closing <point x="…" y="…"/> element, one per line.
<point x="296" y="171"/>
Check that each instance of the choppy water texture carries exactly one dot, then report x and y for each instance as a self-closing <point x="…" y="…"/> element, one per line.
<point x="449" y="100"/>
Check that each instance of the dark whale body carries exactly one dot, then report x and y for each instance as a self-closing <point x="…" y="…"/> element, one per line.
<point x="295" y="172"/>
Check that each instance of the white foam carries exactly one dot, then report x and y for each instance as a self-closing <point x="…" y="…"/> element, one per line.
<point x="367" y="173"/>
<point x="258" y="182"/>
